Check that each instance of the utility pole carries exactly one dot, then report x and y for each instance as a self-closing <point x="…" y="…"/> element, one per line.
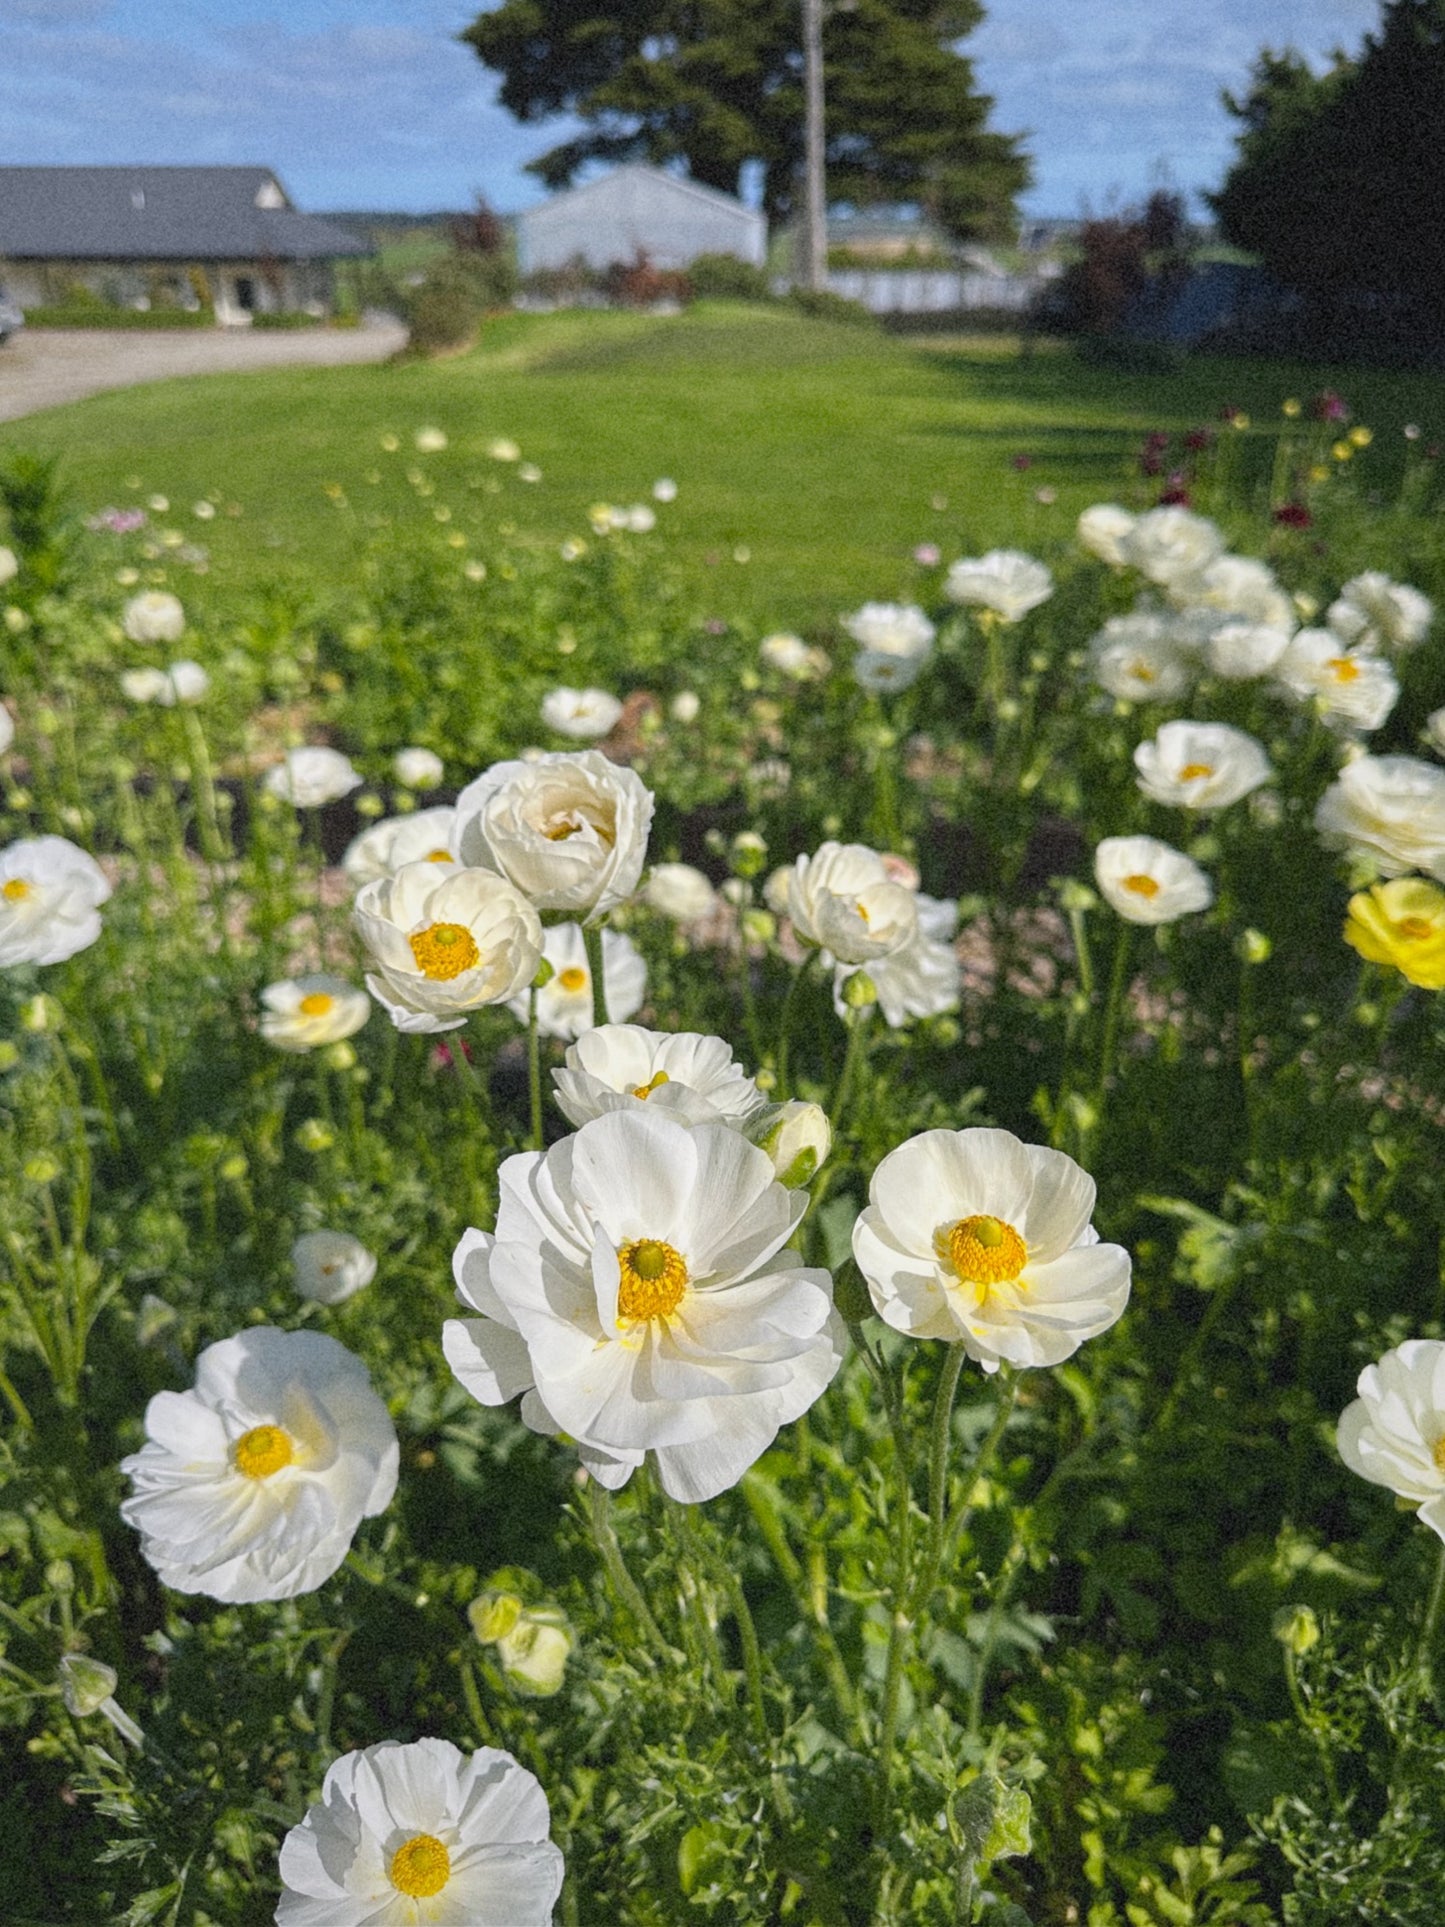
<point x="815" y="196"/>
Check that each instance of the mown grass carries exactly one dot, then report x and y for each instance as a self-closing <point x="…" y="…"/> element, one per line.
<point x="820" y="452"/>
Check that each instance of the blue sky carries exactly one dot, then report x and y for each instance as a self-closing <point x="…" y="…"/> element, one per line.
<point x="371" y="103"/>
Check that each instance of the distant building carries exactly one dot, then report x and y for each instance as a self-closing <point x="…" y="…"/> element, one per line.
<point x="228" y="238"/>
<point x="638" y="211"/>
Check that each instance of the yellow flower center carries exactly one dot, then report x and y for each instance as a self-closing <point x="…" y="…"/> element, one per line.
<point x="655" y="1083"/>
<point x="562" y="827"/>
<point x="862" y="910"/>
<point x="654" y="1277"/>
<point x="421" y="1866"/>
<point x="572" y="979"/>
<point x="315" y="1003"/>
<point x="1342" y="669"/>
<point x="1141" y="672"/>
<point x="985" y="1251"/>
<point x="1142" y="886"/>
<point x="1192" y="770"/>
<point x="263" y="1450"/>
<point x="438" y="856"/>
<point x="17" y="890"/>
<point x="1437" y="1452"/>
<point x="444" y="951"/>
<point x="1415" y="929"/>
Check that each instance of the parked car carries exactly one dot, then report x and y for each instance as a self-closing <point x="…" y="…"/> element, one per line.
<point x="11" y="318"/>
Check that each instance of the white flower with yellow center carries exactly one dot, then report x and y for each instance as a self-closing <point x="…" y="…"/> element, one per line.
<point x="619" y="1067"/>
<point x="1394" y="1433"/>
<point x="418" y="769"/>
<point x="1147" y="881"/>
<point x="1240" y="651"/>
<point x="1240" y="587"/>
<point x="50" y="898"/>
<point x="1103" y="530"/>
<point x="311" y="776"/>
<point x="331" y="1266"/>
<point x="1006" y="581"/>
<point x="679" y="891"/>
<point x="425" y="836"/>
<point x="569" y="830"/>
<point x="565" y="1003"/>
<point x="444" y="942"/>
<point x="251" y="1485"/>
<point x="1372" y="612"/>
<point x="1348" y="684"/>
<point x="891" y="629"/>
<point x="843" y="899"/>
<point x="303" y="1013"/>
<point x="422" y="1833"/>
<point x="922" y="978"/>
<point x="639" y="1291"/>
<point x="1389" y="812"/>
<point x="1135" y="658"/>
<point x="582" y="713"/>
<point x="1171" y="544"/>
<point x="977" y="1238"/>
<point x="155" y="616"/>
<point x="1201" y="766"/>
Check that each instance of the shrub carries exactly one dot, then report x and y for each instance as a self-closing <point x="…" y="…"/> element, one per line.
<point x="723" y="277"/>
<point x="823" y="305"/>
<point x="639" y="284"/>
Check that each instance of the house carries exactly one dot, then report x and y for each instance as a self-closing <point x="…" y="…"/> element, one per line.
<point x="228" y="238"/>
<point x="638" y="211"/>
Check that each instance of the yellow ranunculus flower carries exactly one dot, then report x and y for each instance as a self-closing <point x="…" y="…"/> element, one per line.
<point x="1401" y="923"/>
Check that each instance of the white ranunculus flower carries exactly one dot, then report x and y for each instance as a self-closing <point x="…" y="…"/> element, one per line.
<point x="1102" y="530"/>
<point x="418" y="769"/>
<point x="425" y="836"/>
<point x="640" y="1291"/>
<point x="1005" y="580"/>
<point x="1133" y="657"/>
<point x="564" y="1003"/>
<point x="445" y="941"/>
<point x="1240" y="651"/>
<point x="9" y="566"/>
<point x="622" y="1067"/>
<point x="1169" y="544"/>
<point x="303" y="1013"/>
<point x="331" y="1266"/>
<point x="430" y="441"/>
<point x="251" y="1485"/>
<point x="569" y="830"/>
<point x="685" y="707"/>
<point x="664" y="489"/>
<point x="1201" y="766"/>
<point x="679" y="891"/>
<point x="311" y="777"/>
<point x="142" y="685"/>
<point x="50" y="898"/>
<point x="977" y="1238"/>
<point x="405" y="1834"/>
<point x="183" y="682"/>
<point x="788" y="654"/>
<point x="922" y="978"/>
<point x="583" y="713"/>
<point x="1348" y="684"/>
<point x="842" y="899"/>
<point x="1394" y="1432"/>
<point x="155" y="616"/>
<point x="7" y="729"/>
<point x="891" y="629"/>
<point x="1147" y="881"/>
<point x="1389" y="811"/>
<point x="1372" y="612"/>
<point x="880" y="674"/>
<point x="1238" y="586"/>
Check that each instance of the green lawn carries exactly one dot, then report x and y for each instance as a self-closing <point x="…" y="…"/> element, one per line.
<point x="821" y="452"/>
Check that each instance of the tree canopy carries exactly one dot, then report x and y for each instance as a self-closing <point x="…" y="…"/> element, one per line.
<point x="1339" y="181"/>
<point x="719" y="84"/>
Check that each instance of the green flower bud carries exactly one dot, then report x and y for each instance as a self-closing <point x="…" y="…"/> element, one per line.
<point x="1254" y="947"/>
<point x="748" y="854"/>
<point x="41" y="1169"/>
<point x="493" y="1615"/>
<point x="534" y="1654"/>
<point x="85" y="1684"/>
<point x="339" y="1057"/>
<point x="1297" y="1628"/>
<point x="860" y="992"/>
<point x="9" y="1055"/>
<point x="315" y="1135"/>
<point x="797" y="1138"/>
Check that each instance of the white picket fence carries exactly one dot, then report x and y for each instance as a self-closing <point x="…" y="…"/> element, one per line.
<point x="921" y="291"/>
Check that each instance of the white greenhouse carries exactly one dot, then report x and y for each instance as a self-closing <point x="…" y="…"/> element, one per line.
<point x="634" y="212"/>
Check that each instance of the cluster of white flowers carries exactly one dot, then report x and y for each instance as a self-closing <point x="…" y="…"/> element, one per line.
<point x="183" y="682"/>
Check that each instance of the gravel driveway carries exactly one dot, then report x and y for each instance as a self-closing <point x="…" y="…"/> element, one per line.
<point x="44" y="367"/>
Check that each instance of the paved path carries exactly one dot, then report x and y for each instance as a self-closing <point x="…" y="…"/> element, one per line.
<point x="44" y="367"/>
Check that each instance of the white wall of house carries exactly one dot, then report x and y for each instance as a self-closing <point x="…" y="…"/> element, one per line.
<point x="638" y="211"/>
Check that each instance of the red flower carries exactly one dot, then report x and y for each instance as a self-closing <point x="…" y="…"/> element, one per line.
<point x="1293" y="515"/>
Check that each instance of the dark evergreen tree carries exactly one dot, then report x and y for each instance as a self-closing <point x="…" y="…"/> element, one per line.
<point x="719" y="84"/>
<point x="1339" y="183"/>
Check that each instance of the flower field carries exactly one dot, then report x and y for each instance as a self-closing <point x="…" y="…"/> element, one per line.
<point x="659" y="1266"/>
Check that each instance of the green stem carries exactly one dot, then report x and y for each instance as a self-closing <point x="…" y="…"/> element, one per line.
<point x="1310" y="1727"/>
<point x="927" y="1577"/>
<point x="811" y="1600"/>
<point x="604" y="1536"/>
<point x="859" y="1023"/>
<point x="983" y="1461"/>
<point x="472" y="1695"/>
<point x="785" y="1025"/>
<point x="534" y="1072"/>
<point x="1113" y="1010"/>
<point x="592" y="939"/>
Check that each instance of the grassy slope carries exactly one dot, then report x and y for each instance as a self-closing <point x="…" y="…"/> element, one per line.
<point x="817" y="448"/>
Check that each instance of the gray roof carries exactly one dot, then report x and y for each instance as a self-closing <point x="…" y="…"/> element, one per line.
<point x="159" y="214"/>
